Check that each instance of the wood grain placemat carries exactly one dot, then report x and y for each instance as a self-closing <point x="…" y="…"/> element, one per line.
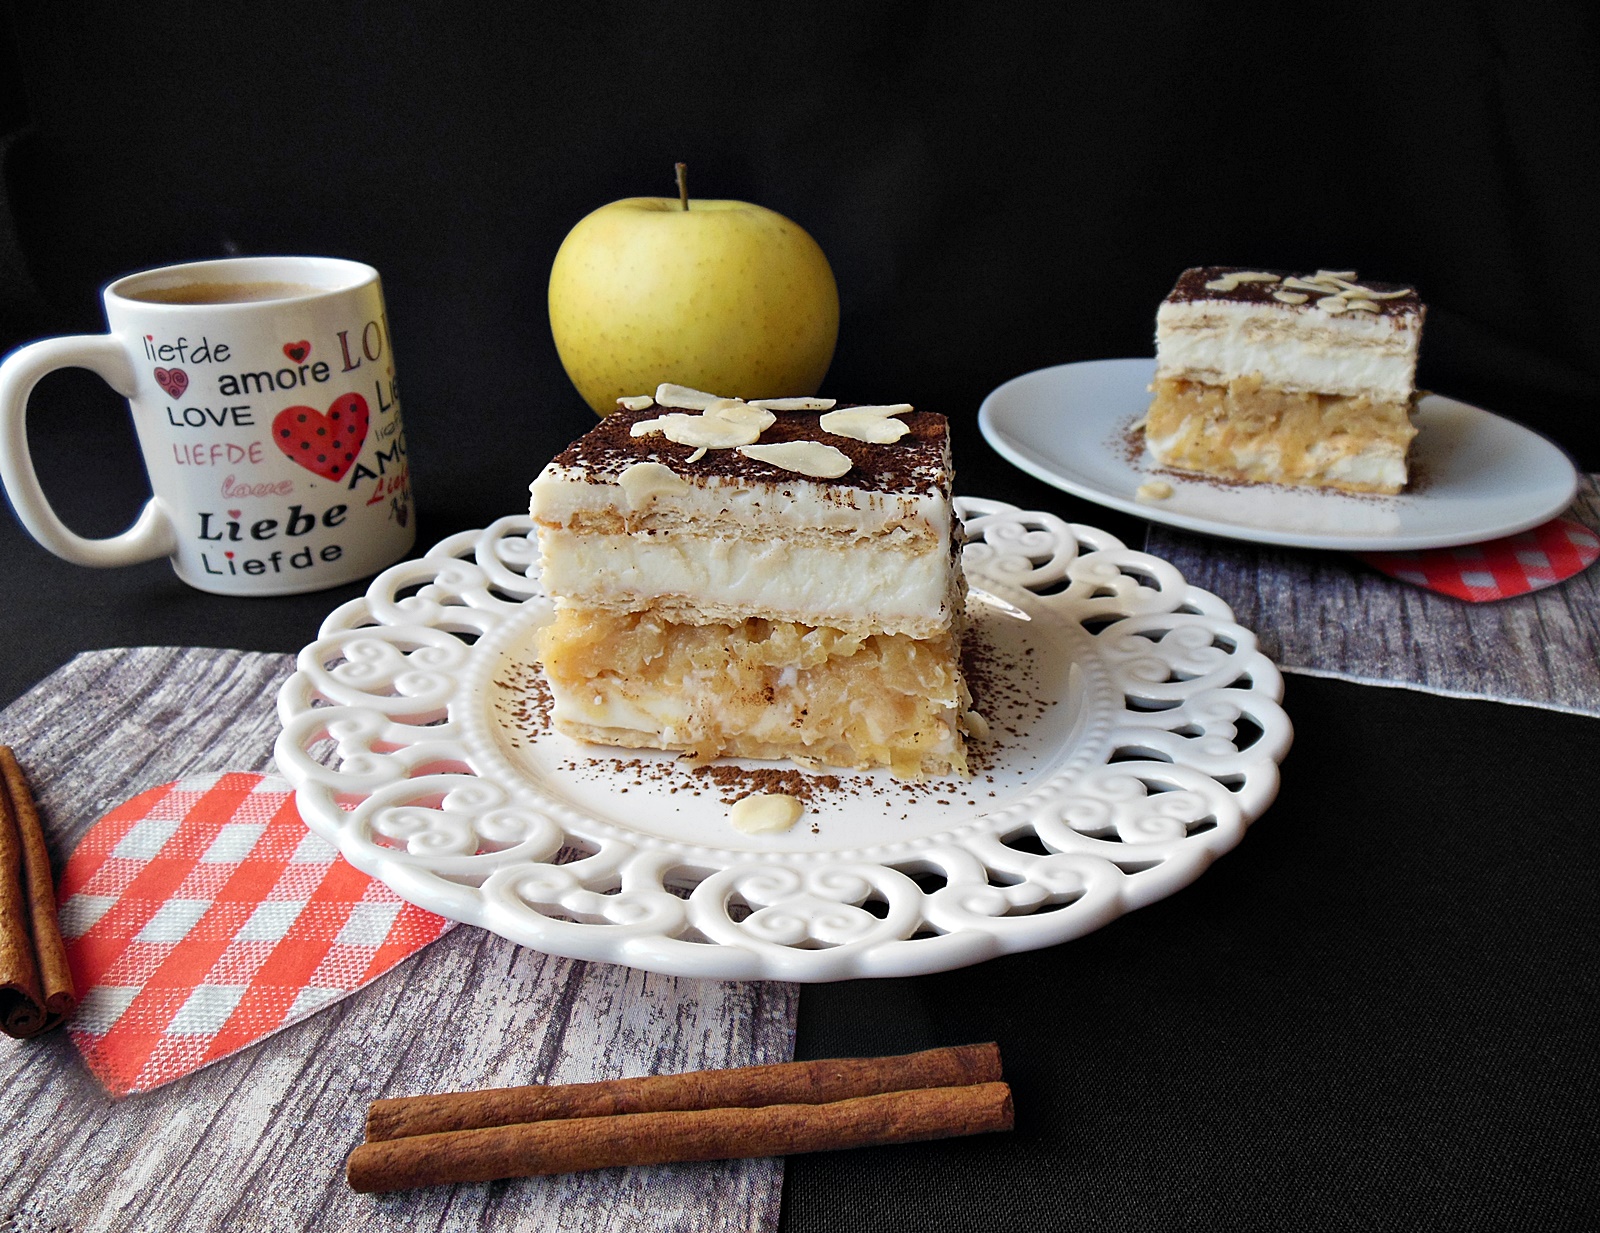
<point x="1327" y="614"/>
<point x="259" y="1140"/>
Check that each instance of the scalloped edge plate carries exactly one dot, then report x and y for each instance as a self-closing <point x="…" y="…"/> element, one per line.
<point x="1148" y="740"/>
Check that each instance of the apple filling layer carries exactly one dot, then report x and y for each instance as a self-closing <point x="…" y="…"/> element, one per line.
<point x="758" y="689"/>
<point x="1248" y="430"/>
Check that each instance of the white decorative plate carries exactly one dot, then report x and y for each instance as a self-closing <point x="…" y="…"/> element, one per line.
<point x="1137" y="732"/>
<point x="1477" y="476"/>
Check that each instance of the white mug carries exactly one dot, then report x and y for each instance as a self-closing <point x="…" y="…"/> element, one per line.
<point x="264" y="397"/>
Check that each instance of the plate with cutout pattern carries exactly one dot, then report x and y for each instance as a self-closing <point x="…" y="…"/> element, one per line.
<point x="1135" y="733"/>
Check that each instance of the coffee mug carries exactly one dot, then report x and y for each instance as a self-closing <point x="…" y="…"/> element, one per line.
<point x="264" y="397"/>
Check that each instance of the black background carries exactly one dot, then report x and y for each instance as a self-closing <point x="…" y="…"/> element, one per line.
<point x="1379" y="1013"/>
<point x="998" y="187"/>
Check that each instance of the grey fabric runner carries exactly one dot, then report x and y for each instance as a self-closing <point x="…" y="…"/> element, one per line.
<point x="1328" y="614"/>
<point x="259" y="1140"/>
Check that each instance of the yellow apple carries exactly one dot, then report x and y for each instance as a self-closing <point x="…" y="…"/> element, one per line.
<point x="723" y="296"/>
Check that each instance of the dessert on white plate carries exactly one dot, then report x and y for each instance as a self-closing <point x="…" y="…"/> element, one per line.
<point x="772" y="579"/>
<point x="1269" y="377"/>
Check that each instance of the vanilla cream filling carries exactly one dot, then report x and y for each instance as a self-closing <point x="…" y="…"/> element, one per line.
<point x="1213" y="341"/>
<point x="817" y="581"/>
<point x="562" y="497"/>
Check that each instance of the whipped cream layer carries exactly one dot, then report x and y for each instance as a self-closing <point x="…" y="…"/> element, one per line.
<point x="858" y="585"/>
<point x="738" y="538"/>
<point x="1294" y="347"/>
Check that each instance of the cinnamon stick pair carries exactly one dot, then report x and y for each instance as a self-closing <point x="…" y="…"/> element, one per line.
<point x="36" y="991"/>
<point x="707" y="1115"/>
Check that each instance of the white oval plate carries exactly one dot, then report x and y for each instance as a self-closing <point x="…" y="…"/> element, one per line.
<point x="1479" y="476"/>
<point x="1145" y="735"/>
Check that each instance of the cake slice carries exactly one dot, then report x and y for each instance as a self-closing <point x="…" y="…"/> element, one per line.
<point x="1263" y="376"/>
<point x="757" y="580"/>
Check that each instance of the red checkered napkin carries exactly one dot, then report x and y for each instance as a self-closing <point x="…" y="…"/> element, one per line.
<point x="1498" y="568"/>
<point x="203" y="916"/>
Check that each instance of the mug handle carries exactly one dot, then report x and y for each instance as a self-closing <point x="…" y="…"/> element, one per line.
<point x="152" y="535"/>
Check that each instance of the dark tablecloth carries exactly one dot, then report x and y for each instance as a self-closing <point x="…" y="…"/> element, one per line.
<point x="1377" y="1012"/>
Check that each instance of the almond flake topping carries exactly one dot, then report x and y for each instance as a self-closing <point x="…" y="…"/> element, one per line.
<point x="1339" y="292"/>
<point x="765" y="813"/>
<point x="1230" y="282"/>
<point x="643" y="482"/>
<point x="794" y="404"/>
<point x="682" y="397"/>
<point x="859" y="424"/>
<point x="725" y="423"/>
<point x="636" y="402"/>
<point x="737" y="411"/>
<point x="892" y="408"/>
<point x="803" y="457"/>
<point x="710" y="431"/>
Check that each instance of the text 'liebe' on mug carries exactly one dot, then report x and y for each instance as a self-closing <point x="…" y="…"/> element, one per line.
<point x="264" y="397"/>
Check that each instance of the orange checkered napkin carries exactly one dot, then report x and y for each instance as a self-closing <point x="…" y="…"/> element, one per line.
<point x="202" y="916"/>
<point x="1499" y="568"/>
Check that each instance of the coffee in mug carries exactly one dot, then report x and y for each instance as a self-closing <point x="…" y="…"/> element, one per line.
<point x="221" y="293"/>
<point x="264" y="396"/>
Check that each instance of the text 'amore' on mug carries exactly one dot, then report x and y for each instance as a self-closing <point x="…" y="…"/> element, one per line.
<point x="264" y="397"/>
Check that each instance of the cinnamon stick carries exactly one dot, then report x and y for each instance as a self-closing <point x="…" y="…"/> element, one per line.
<point x="36" y="991"/>
<point x="572" y="1145"/>
<point x="787" y="1083"/>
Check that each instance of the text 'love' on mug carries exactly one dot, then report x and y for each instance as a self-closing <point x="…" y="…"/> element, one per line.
<point x="264" y="396"/>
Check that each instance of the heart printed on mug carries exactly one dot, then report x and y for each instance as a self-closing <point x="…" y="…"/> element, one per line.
<point x="325" y="445"/>
<point x="297" y="351"/>
<point x="173" y="380"/>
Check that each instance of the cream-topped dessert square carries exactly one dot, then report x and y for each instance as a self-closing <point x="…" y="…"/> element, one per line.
<point x="1274" y="377"/>
<point x="737" y="579"/>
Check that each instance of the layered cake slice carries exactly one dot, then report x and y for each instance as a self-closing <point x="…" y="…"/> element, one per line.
<point x="777" y="579"/>
<point x="1269" y="377"/>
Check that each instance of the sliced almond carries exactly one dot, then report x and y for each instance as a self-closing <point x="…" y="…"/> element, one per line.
<point x="765" y="813"/>
<point x="859" y="424"/>
<point x="1230" y="282"/>
<point x="643" y="482"/>
<point x="683" y="398"/>
<point x="735" y="412"/>
<point x="711" y="431"/>
<point x="636" y="402"/>
<point x="1290" y="297"/>
<point x="794" y="404"/>
<point x="893" y="408"/>
<point x="803" y="457"/>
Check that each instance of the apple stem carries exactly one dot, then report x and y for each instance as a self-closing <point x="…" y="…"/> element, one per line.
<point x="683" y="183"/>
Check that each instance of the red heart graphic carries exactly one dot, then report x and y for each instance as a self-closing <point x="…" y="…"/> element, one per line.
<point x="173" y="380"/>
<point x="297" y="351"/>
<point x="234" y="513"/>
<point x="325" y="445"/>
<point x="202" y="916"/>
